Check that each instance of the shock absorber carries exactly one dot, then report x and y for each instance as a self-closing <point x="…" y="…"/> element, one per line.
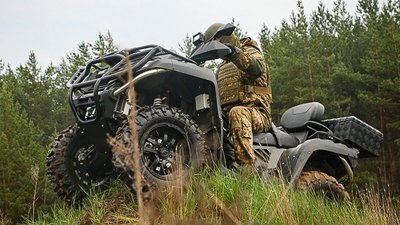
<point x="157" y="102"/>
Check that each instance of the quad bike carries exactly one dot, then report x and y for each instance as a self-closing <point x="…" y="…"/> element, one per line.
<point x="180" y="123"/>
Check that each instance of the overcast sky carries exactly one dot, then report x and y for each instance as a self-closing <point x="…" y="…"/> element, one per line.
<point x="53" y="28"/>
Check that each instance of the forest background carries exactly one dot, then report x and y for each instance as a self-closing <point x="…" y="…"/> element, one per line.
<point x="348" y="62"/>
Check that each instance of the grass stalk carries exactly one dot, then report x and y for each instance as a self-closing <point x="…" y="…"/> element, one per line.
<point x="134" y="141"/>
<point x="35" y="181"/>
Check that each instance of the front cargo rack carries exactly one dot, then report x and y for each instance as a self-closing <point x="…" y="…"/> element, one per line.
<point x="92" y="85"/>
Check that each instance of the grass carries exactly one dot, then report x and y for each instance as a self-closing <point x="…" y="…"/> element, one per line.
<point x="214" y="197"/>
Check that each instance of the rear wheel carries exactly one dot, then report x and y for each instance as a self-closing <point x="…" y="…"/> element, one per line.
<point x="323" y="184"/>
<point x="76" y="162"/>
<point x="170" y="144"/>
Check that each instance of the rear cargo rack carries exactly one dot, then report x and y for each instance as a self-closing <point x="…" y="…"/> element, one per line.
<point x="87" y="89"/>
<point x="357" y="133"/>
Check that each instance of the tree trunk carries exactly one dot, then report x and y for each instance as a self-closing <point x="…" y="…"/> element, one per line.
<point x="310" y="76"/>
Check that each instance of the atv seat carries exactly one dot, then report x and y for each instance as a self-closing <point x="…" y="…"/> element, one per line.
<point x="275" y="137"/>
<point x="264" y="139"/>
<point x="295" y="118"/>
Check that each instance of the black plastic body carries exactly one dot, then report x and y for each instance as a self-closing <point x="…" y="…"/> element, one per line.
<point x="209" y="51"/>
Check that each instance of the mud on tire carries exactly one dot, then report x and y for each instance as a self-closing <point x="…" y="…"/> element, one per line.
<point x="170" y="144"/>
<point x="76" y="162"/>
<point x="323" y="184"/>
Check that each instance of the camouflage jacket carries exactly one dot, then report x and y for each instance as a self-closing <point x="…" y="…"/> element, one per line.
<point x="243" y="79"/>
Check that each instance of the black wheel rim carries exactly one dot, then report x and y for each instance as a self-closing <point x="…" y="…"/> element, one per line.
<point x="90" y="167"/>
<point x="166" y="151"/>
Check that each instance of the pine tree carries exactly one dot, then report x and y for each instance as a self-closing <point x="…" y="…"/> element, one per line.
<point x="187" y="47"/>
<point x="380" y="62"/>
<point x="239" y="32"/>
<point x="20" y="149"/>
<point x="33" y="108"/>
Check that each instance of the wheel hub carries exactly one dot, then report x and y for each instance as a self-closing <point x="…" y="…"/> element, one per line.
<point x="164" y="152"/>
<point x="90" y="166"/>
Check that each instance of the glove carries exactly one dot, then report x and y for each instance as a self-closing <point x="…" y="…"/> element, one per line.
<point x="234" y="51"/>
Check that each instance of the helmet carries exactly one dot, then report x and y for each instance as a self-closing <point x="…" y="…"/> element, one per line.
<point x="213" y="29"/>
<point x="210" y="32"/>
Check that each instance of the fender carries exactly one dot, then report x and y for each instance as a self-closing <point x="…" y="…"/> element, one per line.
<point x="296" y="158"/>
<point x="166" y="65"/>
<point x="188" y="82"/>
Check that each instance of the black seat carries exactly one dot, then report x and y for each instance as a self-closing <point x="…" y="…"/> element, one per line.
<point x="284" y="139"/>
<point x="275" y="137"/>
<point x="295" y="118"/>
<point x="266" y="139"/>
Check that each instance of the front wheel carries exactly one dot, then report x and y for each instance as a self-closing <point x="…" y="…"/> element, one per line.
<point x="77" y="161"/>
<point x="323" y="184"/>
<point x="170" y="144"/>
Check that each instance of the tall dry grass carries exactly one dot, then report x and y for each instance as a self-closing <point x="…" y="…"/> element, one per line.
<point x="35" y="182"/>
<point x="379" y="206"/>
<point x="4" y="220"/>
<point x="211" y="196"/>
<point x="133" y="160"/>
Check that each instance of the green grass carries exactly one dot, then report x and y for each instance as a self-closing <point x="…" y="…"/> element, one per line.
<point x="213" y="197"/>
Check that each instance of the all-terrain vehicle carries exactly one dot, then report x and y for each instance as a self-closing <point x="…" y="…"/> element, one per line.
<point x="180" y="122"/>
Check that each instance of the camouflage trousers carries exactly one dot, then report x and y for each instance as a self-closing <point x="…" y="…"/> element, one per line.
<point x="244" y="121"/>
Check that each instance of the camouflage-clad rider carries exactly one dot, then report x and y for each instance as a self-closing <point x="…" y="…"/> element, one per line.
<point x="245" y="91"/>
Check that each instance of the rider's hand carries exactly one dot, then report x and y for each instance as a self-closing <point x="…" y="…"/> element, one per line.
<point x="234" y="50"/>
